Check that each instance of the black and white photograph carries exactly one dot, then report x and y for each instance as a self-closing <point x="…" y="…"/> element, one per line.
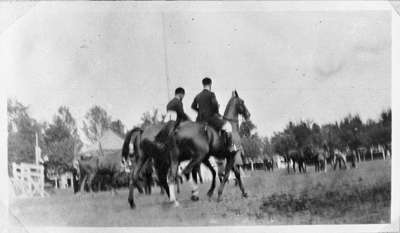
<point x="199" y="114"/>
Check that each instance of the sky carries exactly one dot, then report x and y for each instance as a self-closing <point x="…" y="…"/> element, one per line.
<point x="286" y="66"/>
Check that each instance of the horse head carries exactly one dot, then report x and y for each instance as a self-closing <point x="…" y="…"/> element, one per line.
<point x="235" y="107"/>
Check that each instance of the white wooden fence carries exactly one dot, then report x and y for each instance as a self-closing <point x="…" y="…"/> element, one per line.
<point x="28" y="180"/>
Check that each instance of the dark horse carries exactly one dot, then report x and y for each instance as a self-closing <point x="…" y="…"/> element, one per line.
<point x="196" y="142"/>
<point x="317" y="156"/>
<point x="150" y="154"/>
<point x="105" y="162"/>
<point x="296" y="156"/>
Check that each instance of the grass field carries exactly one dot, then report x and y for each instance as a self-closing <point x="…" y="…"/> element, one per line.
<point x="352" y="196"/>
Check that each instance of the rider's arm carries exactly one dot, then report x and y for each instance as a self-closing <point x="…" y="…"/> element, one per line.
<point x="214" y="103"/>
<point x="195" y="106"/>
<point x="181" y="114"/>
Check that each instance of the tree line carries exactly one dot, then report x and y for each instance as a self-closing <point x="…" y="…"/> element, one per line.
<point x="348" y="133"/>
<point x="60" y="140"/>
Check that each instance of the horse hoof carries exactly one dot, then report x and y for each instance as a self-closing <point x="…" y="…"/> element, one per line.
<point x="245" y="195"/>
<point x="209" y="194"/>
<point x="132" y="204"/>
<point x="194" y="198"/>
<point x="176" y="204"/>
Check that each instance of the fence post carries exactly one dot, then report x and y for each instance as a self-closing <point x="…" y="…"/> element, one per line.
<point x="372" y="153"/>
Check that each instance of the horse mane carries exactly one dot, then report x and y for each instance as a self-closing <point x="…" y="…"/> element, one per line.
<point x="229" y="105"/>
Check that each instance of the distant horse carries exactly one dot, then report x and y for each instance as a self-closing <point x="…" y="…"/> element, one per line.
<point x="296" y="156"/>
<point x="351" y="157"/>
<point x="105" y="162"/>
<point x="268" y="164"/>
<point x="196" y="142"/>
<point x="339" y="157"/>
<point x="319" y="159"/>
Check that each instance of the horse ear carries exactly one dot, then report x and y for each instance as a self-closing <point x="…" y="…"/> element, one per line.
<point x="235" y="93"/>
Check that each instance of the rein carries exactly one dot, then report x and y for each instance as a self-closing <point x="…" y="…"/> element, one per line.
<point x="230" y="119"/>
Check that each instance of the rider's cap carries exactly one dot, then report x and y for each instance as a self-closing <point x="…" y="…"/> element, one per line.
<point x="206" y="81"/>
<point x="179" y="90"/>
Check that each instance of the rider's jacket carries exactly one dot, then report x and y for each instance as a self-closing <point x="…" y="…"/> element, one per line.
<point x="175" y="110"/>
<point x="205" y="103"/>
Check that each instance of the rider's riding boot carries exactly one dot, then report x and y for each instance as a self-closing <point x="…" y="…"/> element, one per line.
<point x="228" y="140"/>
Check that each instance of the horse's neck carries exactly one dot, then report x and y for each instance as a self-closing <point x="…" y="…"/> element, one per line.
<point x="230" y="111"/>
<point x="235" y="126"/>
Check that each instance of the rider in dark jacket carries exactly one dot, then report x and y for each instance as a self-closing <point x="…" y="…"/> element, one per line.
<point x="206" y="104"/>
<point x="175" y="107"/>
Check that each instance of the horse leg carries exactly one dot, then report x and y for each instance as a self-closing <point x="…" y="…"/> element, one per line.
<point x="316" y="165"/>
<point x="83" y="182"/>
<point x="193" y="167"/>
<point x="207" y="163"/>
<point x="178" y="186"/>
<point x="228" y="168"/>
<point x="294" y="166"/>
<point x="114" y="183"/>
<point x="239" y="180"/>
<point x="174" y="153"/>
<point x="335" y="164"/>
<point x="90" y="181"/>
<point x="194" y="184"/>
<point x="147" y="184"/>
<point x="199" y="173"/>
<point x="163" y="182"/>
<point x="131" y="186"/>
<point x="220" y="171"/>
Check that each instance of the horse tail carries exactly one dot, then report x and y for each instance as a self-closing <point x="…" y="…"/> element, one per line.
<point x="125" y="146"/>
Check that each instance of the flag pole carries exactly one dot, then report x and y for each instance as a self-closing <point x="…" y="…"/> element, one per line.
<point x="165" y="54"/>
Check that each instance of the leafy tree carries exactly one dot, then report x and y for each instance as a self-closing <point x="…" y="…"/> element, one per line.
<point x="302" y="133"/>
<point x="61" y="140"/>
<point x="21" y="133"/>
<point x="96" y="122"/>
<point x="330" y="135"/>
<point x="267" y="149"/>
<point x="150" y="118"/>
<point x="282" y="142"/>
<point x="118" y="127"/>
<point x="350" y="129"/>
<point x="246" y="128"/>
<point x="386" y="132"/>
<point x="379" y="132"/>
<point x="252" y="146"/>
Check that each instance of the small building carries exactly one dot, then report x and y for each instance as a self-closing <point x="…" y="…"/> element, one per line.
<point x="110" y="141"/>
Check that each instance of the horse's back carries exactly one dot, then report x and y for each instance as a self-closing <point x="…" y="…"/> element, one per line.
<point x="199" y="135"/>
<point x="111" y="160"/>
<point x="149" y="133"/>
